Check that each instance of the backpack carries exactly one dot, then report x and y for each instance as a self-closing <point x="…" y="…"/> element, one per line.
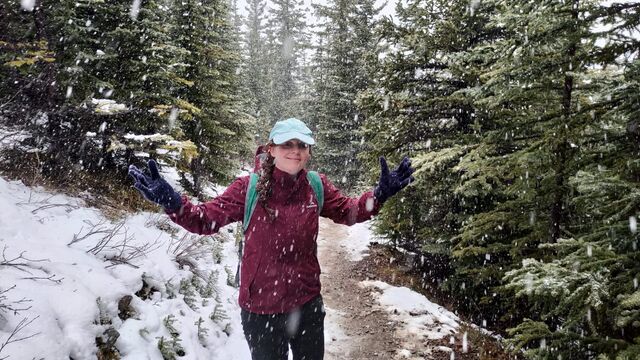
<point x="251" y="201"/>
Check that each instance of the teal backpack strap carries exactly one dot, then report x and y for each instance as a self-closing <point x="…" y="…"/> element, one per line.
<point x="316" y="184"/>
<point x="250" y="201"/>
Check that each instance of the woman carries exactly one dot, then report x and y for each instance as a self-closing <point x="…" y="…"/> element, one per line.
<point x="280" y="274"/>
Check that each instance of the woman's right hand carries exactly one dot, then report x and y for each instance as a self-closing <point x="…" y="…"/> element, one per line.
<point x="154" y="188"/>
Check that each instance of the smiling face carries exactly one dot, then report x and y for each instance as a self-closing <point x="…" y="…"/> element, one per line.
<point x="291" y="156"/>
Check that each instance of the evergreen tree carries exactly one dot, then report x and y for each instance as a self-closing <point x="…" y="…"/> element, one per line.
<point x="141" y="59"/>
<point x="27" y="63"/>
<point x="318" y="76"/>
<point x="348" y="30"/>
<point x="285" y="41"/>
<point x="415" y="107"/>
<point x="593" y="265"/>
<point x="93" y="50"/>
<point x="214" y="121"/>
<point x="526" y="142"/>
<point x="255" y="66"/>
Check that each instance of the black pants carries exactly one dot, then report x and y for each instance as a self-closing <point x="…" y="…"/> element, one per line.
<point x="269" y="336"/>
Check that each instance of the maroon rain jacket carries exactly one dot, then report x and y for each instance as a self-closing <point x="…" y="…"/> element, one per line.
<point x="280" y="269"/>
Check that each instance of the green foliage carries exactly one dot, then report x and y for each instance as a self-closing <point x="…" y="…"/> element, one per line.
<point x="532" y="330"/>
<point x="188" y="290"/>
<point x="170" y="290"/>
<point x="166" y="73"/>
<point x="171" y="349"/>
<point x="521" y="124"/>
<point x="231" y="276"/>
<point x="416" y="108"/>
<point x="202" y="331"/>
<point x="219" y="315"/>
<point x="629" y="312"/>
<point x="630" y="353"/>
<point x="216" y="250"/>
<point x="30" y="55"/>
<point x="347" y="30"/>
<point x="285" y="42"/>
<point x="254" y="71"/>
<point x="213" y="121"/>
<point x="210" y="289"/>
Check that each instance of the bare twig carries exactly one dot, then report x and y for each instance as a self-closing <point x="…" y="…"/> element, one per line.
<point x="13" y="337"/>
<point x="187" y="249"/>
<point x="29" y="202"/>
<point x="128" y="253"/>
<point x="21" y="262"/>
<point x="15" y="306"/>
<point x="49" y="206"/>
<point x="109" y="235"/>
<point x="51" y="278"/>
<point x="118" y="251"/>
<point x="94" y="230"/>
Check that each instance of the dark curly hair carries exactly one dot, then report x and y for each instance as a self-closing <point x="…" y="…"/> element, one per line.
<point x="264" y="182"/>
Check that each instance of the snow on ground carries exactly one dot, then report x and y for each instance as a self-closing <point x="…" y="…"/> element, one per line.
<point x="414" y="311"/>
<point x="415" y="316"/>
<point x="63" y="290"/>
<point x="357" y="243"/>
<point x="9" y="137"/>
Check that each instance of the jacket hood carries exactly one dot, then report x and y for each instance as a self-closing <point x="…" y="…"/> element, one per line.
<point x="260" y="157"/>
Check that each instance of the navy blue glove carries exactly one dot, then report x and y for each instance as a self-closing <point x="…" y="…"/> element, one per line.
<point x="154" y="188"/>
<point x="392" y="182"/>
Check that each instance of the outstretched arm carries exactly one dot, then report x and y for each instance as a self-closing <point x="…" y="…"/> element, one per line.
<point x="206" y="218"/>
<point x="345" y="210"/>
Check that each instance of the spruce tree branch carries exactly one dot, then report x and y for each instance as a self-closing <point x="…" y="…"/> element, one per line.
<point x="613" y="9"/>
<point x="10" y="100"/>
<point x="9" y="135"/>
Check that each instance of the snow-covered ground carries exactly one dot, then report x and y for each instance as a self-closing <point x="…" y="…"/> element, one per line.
<point x="68" y="293"/>
<point x="65" y="267"/>
<point x="414" y="311"/>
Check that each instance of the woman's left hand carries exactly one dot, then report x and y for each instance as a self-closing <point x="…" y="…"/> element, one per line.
<point x="392" y="182"/>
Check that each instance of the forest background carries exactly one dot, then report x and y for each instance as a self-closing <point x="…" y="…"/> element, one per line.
<point x="522" y="119"/>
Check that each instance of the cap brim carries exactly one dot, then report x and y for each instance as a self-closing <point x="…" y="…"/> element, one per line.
<point x="282" y="138"/>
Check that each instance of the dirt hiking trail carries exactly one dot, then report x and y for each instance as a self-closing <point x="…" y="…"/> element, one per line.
<point x="367" y="330"/>
<point x="358" y="328"/>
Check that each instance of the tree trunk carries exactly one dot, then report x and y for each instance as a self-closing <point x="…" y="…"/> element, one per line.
<point x="562" y="148"/>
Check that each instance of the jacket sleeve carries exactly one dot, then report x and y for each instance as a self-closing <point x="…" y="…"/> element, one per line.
<point x="207" y="218"/>
<point x="345" y="210"/>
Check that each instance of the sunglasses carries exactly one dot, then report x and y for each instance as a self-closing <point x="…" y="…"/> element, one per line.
<point x="290" y="145"/>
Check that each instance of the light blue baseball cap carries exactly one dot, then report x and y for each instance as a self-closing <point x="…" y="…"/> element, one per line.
<point x="285" y="130"/>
